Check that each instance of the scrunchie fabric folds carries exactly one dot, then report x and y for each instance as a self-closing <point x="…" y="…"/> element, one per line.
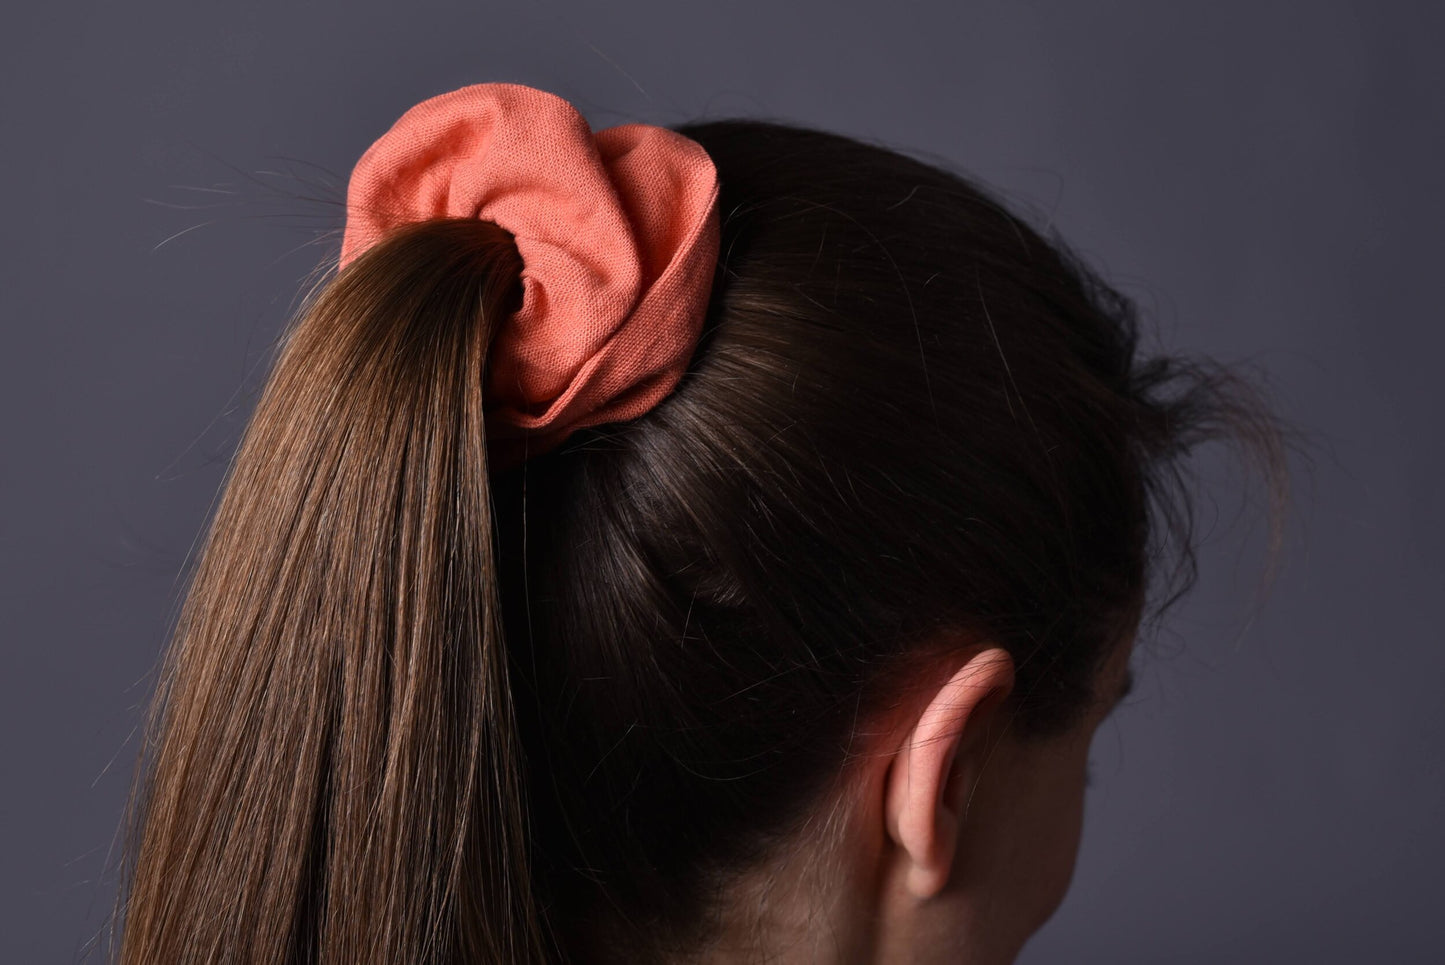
<point x="617" y="232"/>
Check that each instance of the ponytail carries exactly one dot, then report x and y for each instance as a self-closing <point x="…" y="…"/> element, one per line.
<point x="714" y="607"/>
<point x="334" y="774"/>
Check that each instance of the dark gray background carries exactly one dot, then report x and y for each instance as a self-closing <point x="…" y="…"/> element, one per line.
<point x="1264" y="177"/>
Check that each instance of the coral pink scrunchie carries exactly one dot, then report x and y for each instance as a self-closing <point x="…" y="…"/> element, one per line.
<point x="617" y="231"/>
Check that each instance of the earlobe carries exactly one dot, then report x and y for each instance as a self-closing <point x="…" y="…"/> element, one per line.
<point x="930" y="776"/>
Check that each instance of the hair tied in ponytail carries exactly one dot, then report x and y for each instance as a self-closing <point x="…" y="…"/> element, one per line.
<point x="618" y="234"/>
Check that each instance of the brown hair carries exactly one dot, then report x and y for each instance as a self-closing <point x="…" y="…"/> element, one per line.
<point x="417" y="711"/>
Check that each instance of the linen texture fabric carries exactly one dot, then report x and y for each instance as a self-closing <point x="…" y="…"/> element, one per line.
<point x="618" y="235"/>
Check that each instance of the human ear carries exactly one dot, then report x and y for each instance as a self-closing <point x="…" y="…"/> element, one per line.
<point x="942" y="755"/>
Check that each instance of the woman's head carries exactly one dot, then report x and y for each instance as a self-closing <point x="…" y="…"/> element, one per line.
<point x="721" y="674"/>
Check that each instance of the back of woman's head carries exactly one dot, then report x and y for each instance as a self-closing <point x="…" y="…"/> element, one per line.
<point x="420" y="709"/>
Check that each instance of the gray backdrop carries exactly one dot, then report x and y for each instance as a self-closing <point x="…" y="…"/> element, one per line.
<point x="1264" y="177"/>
